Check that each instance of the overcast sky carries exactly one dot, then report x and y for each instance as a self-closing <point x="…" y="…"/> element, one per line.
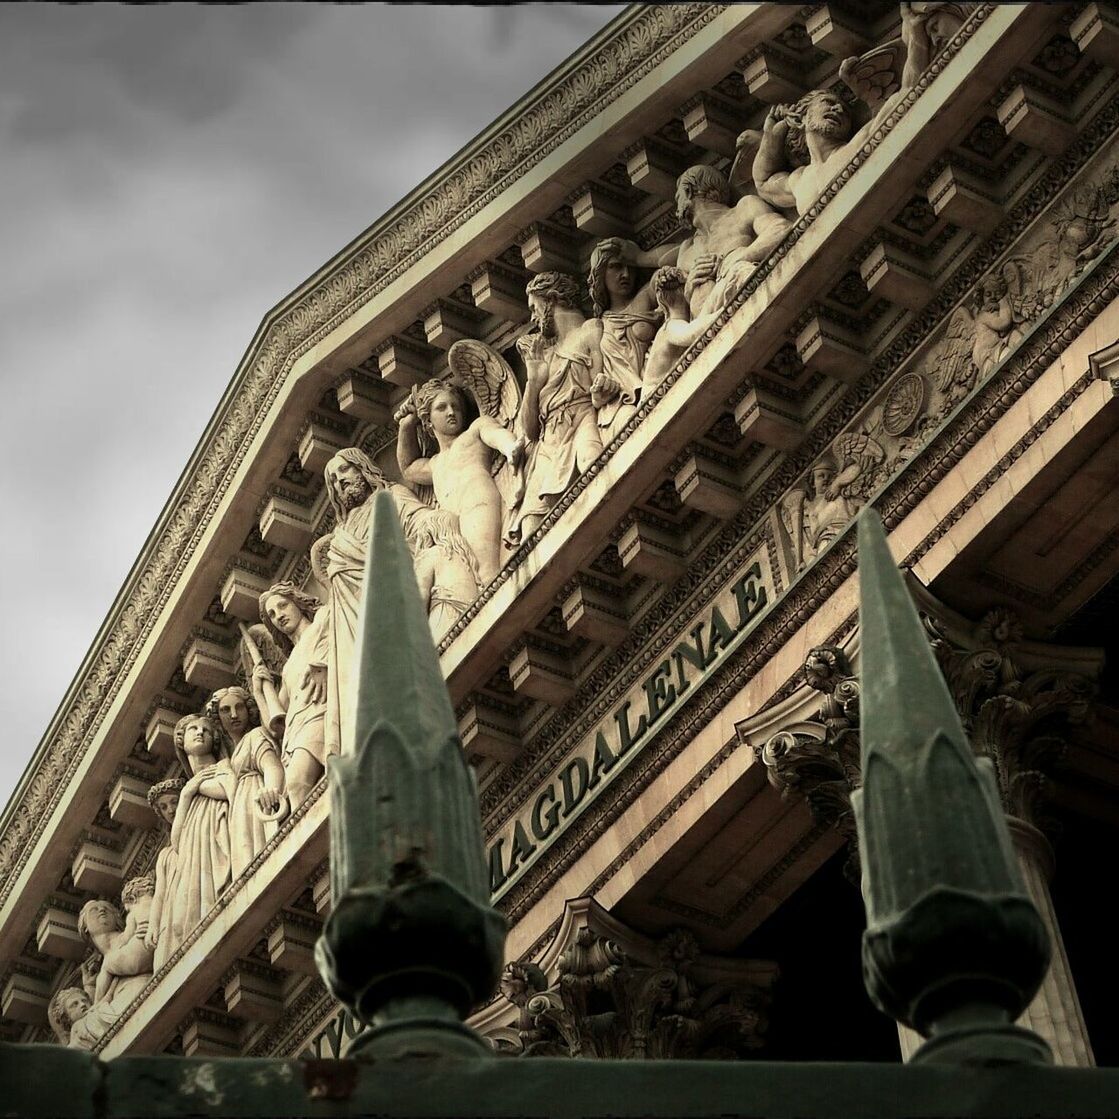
<point x="167" y="174"/>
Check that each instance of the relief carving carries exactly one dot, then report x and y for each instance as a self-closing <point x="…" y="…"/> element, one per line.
<point x="338" y="558"/>
<point x="439" y="445"/>
<point x="557" y="414"/>
<point x="606" y="1004"/>
<point x="294" y="634"/>
<point x="198" y="865"/>
<point x="804" y="146"/>
<point x="256" y="795"/>
<point x="115" y="973"/>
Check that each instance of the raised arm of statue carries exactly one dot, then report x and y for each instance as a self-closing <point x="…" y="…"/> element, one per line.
<point x="414" y="466"/>
<point x="771" y="169"/>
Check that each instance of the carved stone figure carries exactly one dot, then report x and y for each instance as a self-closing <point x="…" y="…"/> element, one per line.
<point x="627" y="317"/>
<point x="679" y="331"/>
<point x="841" y="484"/>
<point x="352" y="478"/>
<point x="604" y="1004"/>
<point x="198" y="869"/>
<point x="294" y="621"/>
<point x="727" y="242"/>
<point x="804" y="146"/>
<point x="68" y="1007"/>
<point x="257" y="796"/>
<point x="164" y="800"/>
<point x="126" y="960"/>
<point x="557" y="413"/>
<point x="459" y="457"/>
<point x="446" y="571"/>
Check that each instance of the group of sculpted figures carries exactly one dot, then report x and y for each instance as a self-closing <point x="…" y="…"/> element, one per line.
<point x="482" y="464"/>
<point x="241" y="779"/>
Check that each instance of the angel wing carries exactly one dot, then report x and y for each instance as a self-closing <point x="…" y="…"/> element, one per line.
<point x="266" y="646"/>
<point x="487" y="375"/>
<point x="955" y="365"/>
<point x="856" y="448"/>
<point x="876" y="75"/>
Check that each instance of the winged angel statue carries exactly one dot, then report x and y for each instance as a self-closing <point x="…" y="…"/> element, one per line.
<point x="448" y="432"/>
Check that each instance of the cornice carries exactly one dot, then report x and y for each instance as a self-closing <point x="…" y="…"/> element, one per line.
<point x="566" y="101"/>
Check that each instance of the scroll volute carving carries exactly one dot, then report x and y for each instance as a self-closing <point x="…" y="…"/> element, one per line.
<point x="610" y="992"/>
<point x="1017" y="699"/>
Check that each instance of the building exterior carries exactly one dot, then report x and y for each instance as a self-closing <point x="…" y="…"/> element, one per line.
<point x="676" y="390"/>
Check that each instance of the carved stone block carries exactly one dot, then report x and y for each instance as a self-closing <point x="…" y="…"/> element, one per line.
<point x="253" y="993"/>
<point x="546" y="247"/>
<point x="829" y="32"/>
<point x="286" y="524"/>
<point x="320" y="891"/>
<point x="447" y="322"/>
<point x="541" y="674"/>
<point x="601" y="212"/>
<point x="1033" y="119"/>
<point x="240" y="594"/>
<point x="893" y="274"/>
<point x="654" y="168"/>
<point x="208" y="664"/>
<point x="708" y="485"/>
<point x="489" y="729"/>
<point x="159" y="734"/>
<point x="961" y="198"/>
<point x="650" y="550"/>
<point x="595" y="614"/>
<point x="291" y="943"/>
<point x="712" y="122"/>
<point x="769" y="419"/>
<point x="830" y="348"/>
<point x="206" y="1033"/>
<point x="772" y="77"/>
<point x="364" y="398"/>
<point x="1096" y="32"/>
<point x="405" y="361"/>
<point x="97" y="869"/>
<point x="500" y="291"/>
<point x="57" y="935"/>
<point x="25" y="999"/>
<point x="318" y="445"/>
<point x="128" y="803"/>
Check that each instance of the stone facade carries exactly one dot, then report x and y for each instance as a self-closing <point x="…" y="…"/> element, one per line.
<point x="629" y="369"/>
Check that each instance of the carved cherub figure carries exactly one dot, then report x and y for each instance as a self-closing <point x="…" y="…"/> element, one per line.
<point x="840" y="487"/>
<point x="436" y="419"/>
<point x="67" y="1008"/>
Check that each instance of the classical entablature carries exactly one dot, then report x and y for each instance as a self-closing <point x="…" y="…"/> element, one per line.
<point x="903" y="290"/>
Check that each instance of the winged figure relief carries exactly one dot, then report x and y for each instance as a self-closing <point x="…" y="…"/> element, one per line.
<point x="456" y="435"/>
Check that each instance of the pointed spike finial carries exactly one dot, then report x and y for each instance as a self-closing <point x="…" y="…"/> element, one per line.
<point x="953" y="945"/>
<point x="400" y="680"/>
<point x="412" y="943"/>
<point x="902" y="689"/>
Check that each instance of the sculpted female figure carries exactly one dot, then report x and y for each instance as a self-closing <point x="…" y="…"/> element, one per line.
<point x="628" y="319"/>
<point x="199" y="865"/>
<point x="293" y="618"/>
<point x="258" y="789"/>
